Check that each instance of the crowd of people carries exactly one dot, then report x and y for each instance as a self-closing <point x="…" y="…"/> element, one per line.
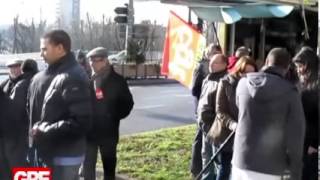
<point x="60" y="117"/>
<point x="273" y="111"/>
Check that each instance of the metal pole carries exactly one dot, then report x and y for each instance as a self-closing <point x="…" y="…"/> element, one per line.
<point x="129" y="25"/>
<point x="126" y="40"/>
<point x="232" y="38"/>
<point x="262" y="39"/>
<point x="205" y="168"/>
<point x="189" y="15"/>
<point x="216" y="34"/>
<point x="318" y="48"/>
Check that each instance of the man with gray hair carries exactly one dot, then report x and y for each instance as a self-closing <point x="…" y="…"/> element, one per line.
<point x="271" y="125"/>
<point x="15" y="72"/>
<point x="112" y="101"/>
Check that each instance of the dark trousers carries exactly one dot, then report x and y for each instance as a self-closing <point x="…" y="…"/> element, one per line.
<point x="66" y="172"/>
<point x="13" y="153"/>
<point x="108" y="152"/>
<point x="310" y="167"/>
<point x="223" y="164"/>
<point x="196" y="157"/>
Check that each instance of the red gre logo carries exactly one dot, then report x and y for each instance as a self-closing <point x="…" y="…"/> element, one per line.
<point x="32" y="174"/>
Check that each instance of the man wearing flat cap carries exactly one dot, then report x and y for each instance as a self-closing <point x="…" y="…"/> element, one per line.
<point x="13" y="141"/>
<point x="15" y="72"/>
<point x="112" y="101"/>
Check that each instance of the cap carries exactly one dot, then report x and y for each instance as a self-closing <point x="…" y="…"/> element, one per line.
<point x="98" y="52"/>
<point x="13" y="62"/>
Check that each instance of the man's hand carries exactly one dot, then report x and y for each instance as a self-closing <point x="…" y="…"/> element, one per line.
<point x="34" y="130"/>
<point x="233" y="126"/>
<point x="312" y="150"/>
<point x="38" y="128"/>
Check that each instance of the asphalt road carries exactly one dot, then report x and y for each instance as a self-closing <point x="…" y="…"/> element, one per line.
<point x="158" y="106"/>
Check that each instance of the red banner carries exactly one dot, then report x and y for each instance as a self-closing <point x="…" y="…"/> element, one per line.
<point x="183" y="47"/>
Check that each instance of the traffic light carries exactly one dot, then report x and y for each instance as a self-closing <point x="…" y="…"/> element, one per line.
<point x="122" y="14"/>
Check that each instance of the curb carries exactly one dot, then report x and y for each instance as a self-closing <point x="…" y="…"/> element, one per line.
<point x="139" y="82"/>
<point x="122" y="177"/>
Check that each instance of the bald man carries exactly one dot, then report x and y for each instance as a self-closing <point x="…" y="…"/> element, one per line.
<point x="206" y="107"/>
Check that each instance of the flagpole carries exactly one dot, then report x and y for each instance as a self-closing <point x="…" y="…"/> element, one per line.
<point x="318" y="48"/>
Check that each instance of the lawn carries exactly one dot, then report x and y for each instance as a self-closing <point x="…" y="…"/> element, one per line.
<point x="162" y="154"/>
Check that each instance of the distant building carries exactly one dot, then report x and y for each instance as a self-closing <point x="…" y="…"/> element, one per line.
<point x="68" y="14"/>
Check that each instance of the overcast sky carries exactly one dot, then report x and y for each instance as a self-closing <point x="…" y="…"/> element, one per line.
<point x="28" y="9"/>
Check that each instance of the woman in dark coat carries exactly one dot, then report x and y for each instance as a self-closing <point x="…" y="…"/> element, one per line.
<point x="306" y="61"/>
<point x="227" y="113"/>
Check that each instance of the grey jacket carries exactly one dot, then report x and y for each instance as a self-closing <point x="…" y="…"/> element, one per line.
<point x="207" y="103"/>
<point x="271" y="125"/>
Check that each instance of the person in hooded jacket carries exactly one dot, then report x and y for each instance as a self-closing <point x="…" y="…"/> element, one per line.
<point x="270" y="132"/>
<point x="306" y="61"/>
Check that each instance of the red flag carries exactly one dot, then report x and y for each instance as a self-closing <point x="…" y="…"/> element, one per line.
<point x="183" y="48"/>
<point x="166" y="51"/>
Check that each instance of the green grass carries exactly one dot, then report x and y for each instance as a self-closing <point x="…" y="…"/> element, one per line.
<point x="162" y="154"/>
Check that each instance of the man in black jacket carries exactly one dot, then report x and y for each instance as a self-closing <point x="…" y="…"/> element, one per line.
<point x="7" y="115"/>
<point x="13" y="139"/>
<point x="60" y="108"/>
<point x="112" y="102"/>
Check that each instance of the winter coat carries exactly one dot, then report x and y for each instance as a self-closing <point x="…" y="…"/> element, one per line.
<point x="271" y="126"/>
<point x="8" y="84"/>
<point x="7" y="115"/>
<point x="112" y="102"/>
<point x="310" y="103"/>
<point x="207" y="103"/>
<point x="17" y="91"/>
<point x="59" y="100"/>
<point x="226" y="110"/>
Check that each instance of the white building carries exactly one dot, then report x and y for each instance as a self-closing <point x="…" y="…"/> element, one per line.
<point x="67" y="13"/>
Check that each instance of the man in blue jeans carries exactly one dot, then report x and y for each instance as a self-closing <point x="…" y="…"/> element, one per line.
<point x="59" y="107"/>
<point x="206" y="108"/>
